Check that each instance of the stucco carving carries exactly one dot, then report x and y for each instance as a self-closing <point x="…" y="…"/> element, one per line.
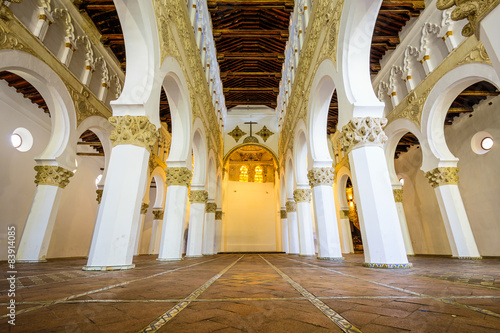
<point x="158" y="214"/>
<point x="302" y="195"/>
<point x="264" y="133"/>
<point x="198" y="196"/>
<point x="283" y="214"/>
<point x="443" y="176"/>
<point x="211" y="207"/>
<point x="344" y="214"/>
<point x="361" y="132"/>
<point x="52" y="175"/>
<point x="218" y="215"/>
<point x="144" y="208"/>
<point x="321" y="176"/>
<point x="99" y="196"/>
<point x="236" y="133"/>
<point x="291" y="206"/>
<point x="398" y="195"/>
<point x="178" y="176"/>
<point x="133" y="130"/>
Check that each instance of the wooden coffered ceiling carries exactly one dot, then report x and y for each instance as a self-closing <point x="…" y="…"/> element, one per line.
<point x="250" y="38"/>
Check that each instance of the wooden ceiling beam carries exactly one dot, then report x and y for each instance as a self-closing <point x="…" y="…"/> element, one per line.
<point x="252" y="90"/>
<point x="249" y="33"/>
<point x="230" y="74"/>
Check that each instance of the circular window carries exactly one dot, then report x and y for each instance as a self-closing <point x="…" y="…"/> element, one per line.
<point x="98" y="180"/>
<point x="402" y="181"/>
<point x="482" y="142"/>
<point x="76" y="166"/>
<point x="21" y="139"/>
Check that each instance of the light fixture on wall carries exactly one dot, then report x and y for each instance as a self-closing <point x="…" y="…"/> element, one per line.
<point x="482" y="142"/>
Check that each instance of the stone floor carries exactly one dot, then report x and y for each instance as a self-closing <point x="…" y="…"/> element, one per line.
<point x="256" y="293"/>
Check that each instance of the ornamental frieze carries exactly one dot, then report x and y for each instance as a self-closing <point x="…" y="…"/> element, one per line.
<point x="198" y="196"/>
<point x="178" y="176"/>
<point x="158" y="214"/>
<point x="398" y="195"/>
<point x="144" y="208"/>
<point x="443" y="176"/>
<point x="218" y="215"/>
<point x="52" y="175"/>
<point x="283" y="214"/>
<point x="99" y="196"/>
<point x="210" y="207"/>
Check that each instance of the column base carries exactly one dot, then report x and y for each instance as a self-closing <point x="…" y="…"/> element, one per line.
<point x="389" y="266"/>
<point x="194" y="256"/>
<point x="29" y="261"/>
<point x="307" y="255"/>
<point x="108" y="268"/>
<point x="331" y="258"/>
<point x="468" y="258"/>
<point x="169" y="259"/>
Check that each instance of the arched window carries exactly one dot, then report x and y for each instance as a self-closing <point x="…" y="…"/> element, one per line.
<point x="259" y="178"/>
<point x="243" y="174"/>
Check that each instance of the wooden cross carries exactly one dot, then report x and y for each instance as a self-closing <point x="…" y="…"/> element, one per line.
<point x="251" y="123"/>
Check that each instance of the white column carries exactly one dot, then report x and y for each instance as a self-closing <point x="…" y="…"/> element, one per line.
<point x="445" y="183"/>
<point x="284" y="230"/>
<point x="113" y="241"/>
<point x="293" y="227"/>
<point x="346" y="231"/>
<point x="325" y="218"/>
<point x="154" y="244"/>
<point x="489" y="28"/>
<point x="198" y="198"/>
<point x="306" y="238"/>
<point x="140" y="223"/>
<point x="34" y="243"/>
<point x="218" y="231"/>
<point x="398" y="198"/>
<point x="178" y="180"/>
<point x="381" y="232"/>
<point x="209" y="229"/>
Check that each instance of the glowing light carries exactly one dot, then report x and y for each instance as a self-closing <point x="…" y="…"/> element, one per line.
<point x="243" y="174"/>
<point x="16" y="140"/>
<point x="258" y="178"/>
<point x="487" y="143"/>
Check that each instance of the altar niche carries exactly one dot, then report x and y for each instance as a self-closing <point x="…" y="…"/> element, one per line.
<point x="251" y="221"/>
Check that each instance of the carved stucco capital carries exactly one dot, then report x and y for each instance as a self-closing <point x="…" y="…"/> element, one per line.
<point x="178" y="176"/>
<point x="133" y="130"/>
<point x="302" y="195"/>
<point x="283" y="214"/>
<point x="344" y="214"/>
<point x="211" y="207"/>
<point x="398" y="195"/>
<point x="158" y="214"/>
<point x="365" y="131"/>
<point x="198" y="196"/>
<point x="218" y="215"/>
<point x="443" y="176"/>
<point x="52" y="175"/>
<point x="144" y="208"/>
<point x="99" y="196"/>
<point x="291" y="206"/>
<point x="321" y="176"/>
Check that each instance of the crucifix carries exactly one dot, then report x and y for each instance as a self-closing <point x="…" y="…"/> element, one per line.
<point x="251" y="123"/>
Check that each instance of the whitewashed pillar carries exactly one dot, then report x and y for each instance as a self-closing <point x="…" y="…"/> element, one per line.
<point x="293" y="227"/>
<point x="140" y="223"/>
<point x="113" y="241"/>
<point x="325" y="218"/>
<point x="306" y="237"/>
<point x="154" y="244"/>
<point x="489" y="28"/>
<point x="398" y="198"/>
<point x="284" y="230"/>
<point x="383" y="244"/>
<point x="45" y="19"/>
<point x="218" y="231"/>
<point x="209" y="229"/>
<point x="34" y="243"/>
<point x="178" y="180"/>
<point x="198" y="199"/>
<point x="444" y="180"/>
<point x="345" y="225"/>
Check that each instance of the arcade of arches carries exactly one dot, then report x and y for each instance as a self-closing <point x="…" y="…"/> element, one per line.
<point x="188" y="165"/>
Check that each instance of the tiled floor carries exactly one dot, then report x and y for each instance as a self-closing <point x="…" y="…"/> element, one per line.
<point x="256" y="293"/>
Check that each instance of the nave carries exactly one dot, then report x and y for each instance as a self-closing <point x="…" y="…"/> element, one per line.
<point x="257" y="293"/>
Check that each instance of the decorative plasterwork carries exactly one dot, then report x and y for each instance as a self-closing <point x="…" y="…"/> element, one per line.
<point x="178" y="176"/>
<point x="210" y="207"/>
<point x="198" y="196"/>
<point x="472" y="10"/>
<point x="291" y="206"/>
<point x="158" y="214"/>
<point x="322" y="34"/>
<point x="99" y="196"/>
<point x="321" y="176"/>
<point x="443" y="176"/>
<point x="218" y="215"/>
<point x="144" y="208"/>
<point x="264" y="133"/>
<point x="283" y="214"/>
<point x="133" y="130"/>
<point x="236" y="134"/>
<point x="398" y="195"/>
<point x="302" y="195"/>
<point x="361" y="132"/>
<point x="52" y="175"/>
<point x="344" y="214"/>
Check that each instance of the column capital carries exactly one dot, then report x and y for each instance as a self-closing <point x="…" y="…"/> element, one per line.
<point x="218" y="215"/>
<point x="283" y="213"/>
<point x="302" y="195"/>
<point x="344" y="214"/>
<point x="144" y="208"/>
<point x="133" y="130"/>
<point x="443" y="176"/>
<point x="321" y="176"/>
<point x="291" y="206"/>
<point x="158" y="214"/>
<point x="211" y="207"/>
<point x="398" y="195"/>
<point x="99" y="196"/>
<point x="363" y="131"/>
<point x="178" y="176"/>
<point x="52" y="175"/>
<point x="198" y="196"/>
